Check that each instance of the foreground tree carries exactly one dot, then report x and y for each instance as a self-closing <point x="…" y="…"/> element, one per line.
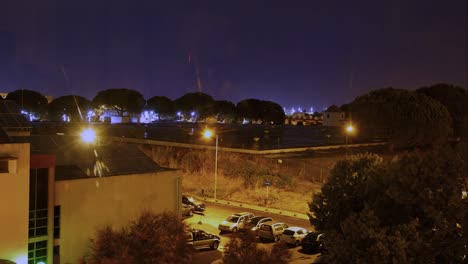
<point x="152" y="238"/>
<point x="29" y="101"/>
<point x="405" y="117"/>
<point x="74" y="106"/>
<point x="120" y="100"/>
<point x="242" y="248"/>
<point x="409" y="210"/>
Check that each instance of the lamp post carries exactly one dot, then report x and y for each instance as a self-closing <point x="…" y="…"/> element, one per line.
<point x="208" y="134"/>
<point x="349" y="131"/>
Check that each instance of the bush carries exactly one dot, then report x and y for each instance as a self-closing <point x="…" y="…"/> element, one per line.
<point x="152" y="238"/>
<point x="242" y="248"/>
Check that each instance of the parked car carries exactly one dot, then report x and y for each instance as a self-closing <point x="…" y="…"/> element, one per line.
<point x="255" y="223"/>
<point x="235" y="222"/>
<point x="197" y="206"/>
<point x="271" y="231"/>
<point x="187" y="210"/>
<point x="313" y="242"/>
<point x="294" y="235"/>
<point x="200" y="239"/>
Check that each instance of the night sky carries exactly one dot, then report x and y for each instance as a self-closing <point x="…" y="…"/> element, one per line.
<point x="296" y="53"/>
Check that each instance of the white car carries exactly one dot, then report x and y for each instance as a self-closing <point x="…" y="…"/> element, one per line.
<point x="293" y="235"/>
<point x="235" y="222"/>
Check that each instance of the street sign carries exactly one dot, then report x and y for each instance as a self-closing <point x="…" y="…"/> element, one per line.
<point x="267" y="183"/>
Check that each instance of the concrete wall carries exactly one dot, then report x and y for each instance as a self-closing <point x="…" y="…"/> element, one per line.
<point x="333" y="119"/>
<point x="14" y="204"/>
<point x="89" y="204"/>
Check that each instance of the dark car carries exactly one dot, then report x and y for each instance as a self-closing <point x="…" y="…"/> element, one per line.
<point x="200" y="239"/>
<point x="197" y="206"/>
<point x="313" y="242"/>
<point x="255" y="223"/>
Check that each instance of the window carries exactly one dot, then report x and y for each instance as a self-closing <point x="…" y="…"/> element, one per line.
<point x="38" y="202"/>
<point x="57" y="221"/>
<point x="4" y="166"/>
<point x="37" y="252"/>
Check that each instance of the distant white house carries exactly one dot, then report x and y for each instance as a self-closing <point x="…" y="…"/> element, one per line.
<point x="334" y="116"/>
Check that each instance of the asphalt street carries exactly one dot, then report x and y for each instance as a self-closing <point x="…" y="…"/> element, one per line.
<point x="216" y="213"/>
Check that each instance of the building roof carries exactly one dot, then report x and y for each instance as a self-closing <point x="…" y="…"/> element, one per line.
<point x="77" y="160"/>
<point x="11" y="117"/>
<point x="333" y="109"/>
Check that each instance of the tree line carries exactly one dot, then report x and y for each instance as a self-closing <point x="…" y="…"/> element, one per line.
<point x="127" y="102"/>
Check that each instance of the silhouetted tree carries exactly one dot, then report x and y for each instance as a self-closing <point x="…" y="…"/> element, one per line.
<point x="120" y="100"/>
<point x="249" y="109"/>
<point x="242" y="248"/>
<point x="455" y="99"/>
<point x="272" y="113"/>
<point x="74" y="106"/>
<point x="409" y="210"/>
<point x="152" y="238"/>
<point x="256" y="110"/>
<point x="225" y="111"/>
<point x="29" y="101"/>
<point x="162" y="105"/>
<point x="200" y="103"/>
<point x="407" y="118"/>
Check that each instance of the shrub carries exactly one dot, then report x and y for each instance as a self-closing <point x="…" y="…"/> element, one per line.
<point x="152" y="238"/>
<point x="242" y="248"/>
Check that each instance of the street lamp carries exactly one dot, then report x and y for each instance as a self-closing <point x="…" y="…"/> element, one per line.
<point x="349" y="131"/>
<point x="88" y="135"/>
<point x="208" y="134"/>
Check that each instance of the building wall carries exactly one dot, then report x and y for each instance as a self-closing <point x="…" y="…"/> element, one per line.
<point x="89" y="204"/>
<point x="333" y="118"/>
<point x="14" y="204"/>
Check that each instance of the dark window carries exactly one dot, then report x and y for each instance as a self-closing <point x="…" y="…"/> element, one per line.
<point x="38" y="202"/>
<point x="3" y="166"/>
<point x="57" y="221"/>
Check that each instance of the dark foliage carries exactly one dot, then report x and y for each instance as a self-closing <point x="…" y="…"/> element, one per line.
<point x="409" y="210"/>
<point x="120" y="100"/>
<point x="242" y="248"/>
<point x="405" y="118"/>
<point x="162" y="105"/>
<point x="74" y="106"/>
<point x="30" y="101"/>
<point x="455" y="99"/>
<point x="152" y="238"/>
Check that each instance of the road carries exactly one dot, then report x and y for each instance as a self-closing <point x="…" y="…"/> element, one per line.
<point x="216" y="213"/>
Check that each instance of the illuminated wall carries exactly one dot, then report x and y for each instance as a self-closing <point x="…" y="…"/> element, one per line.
<point x="337" y="119"/>
<point x="88" y="204"/>
<point x="14" y="202"/>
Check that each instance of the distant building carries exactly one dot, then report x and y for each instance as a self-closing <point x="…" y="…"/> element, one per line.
<point x="334" y="117"/>
<point x="55" y="191"/>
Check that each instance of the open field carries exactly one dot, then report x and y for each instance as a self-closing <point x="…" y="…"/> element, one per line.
<point x="241" y="177"/>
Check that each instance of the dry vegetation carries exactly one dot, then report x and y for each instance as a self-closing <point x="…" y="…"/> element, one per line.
<point x="241" y="177"/>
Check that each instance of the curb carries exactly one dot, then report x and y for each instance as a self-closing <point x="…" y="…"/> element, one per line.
<point x="255" y="207"/>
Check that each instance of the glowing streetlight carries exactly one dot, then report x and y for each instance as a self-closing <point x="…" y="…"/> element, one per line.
<point x="349" y="131"/>
<point x="88" y="135"/>
<point x="208" y="134"/>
